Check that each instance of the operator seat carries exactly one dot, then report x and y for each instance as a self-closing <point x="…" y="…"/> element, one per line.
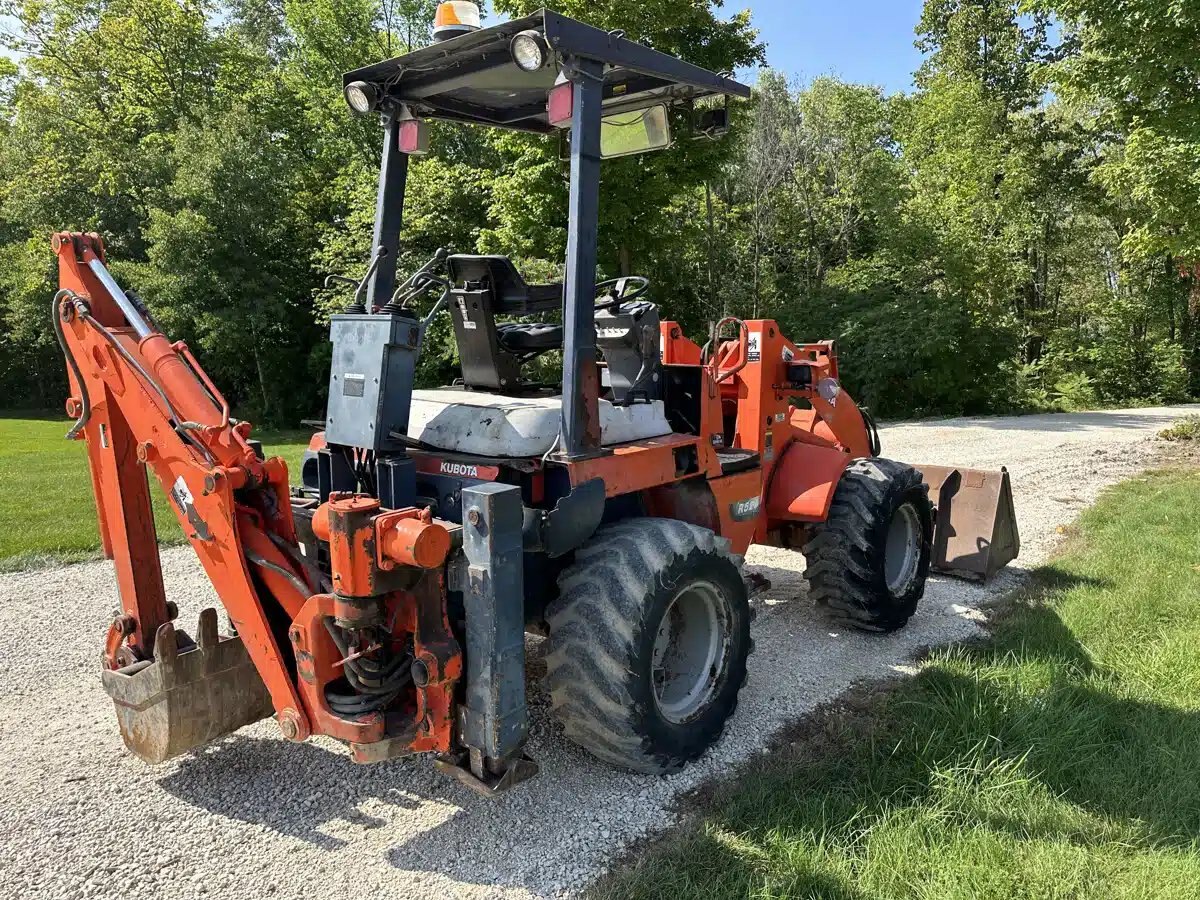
<point x="491" y="353"/>
<point x="519" y="338"/>
<point x="494" y="414"/>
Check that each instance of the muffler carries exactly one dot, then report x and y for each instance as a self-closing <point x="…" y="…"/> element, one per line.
<point x="190" y="694"/>
<point x="976" y="527"/>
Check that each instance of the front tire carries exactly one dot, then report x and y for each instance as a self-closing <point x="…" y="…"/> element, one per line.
<point x="648" y="643"/>
<point x="868" y="561"/>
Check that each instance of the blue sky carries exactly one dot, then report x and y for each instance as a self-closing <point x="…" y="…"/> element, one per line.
<point x="867" y="41"/>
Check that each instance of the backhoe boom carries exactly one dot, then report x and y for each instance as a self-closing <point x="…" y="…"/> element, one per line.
<point x="141" y="400"/>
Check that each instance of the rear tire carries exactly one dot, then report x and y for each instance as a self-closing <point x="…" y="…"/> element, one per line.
<point x="648" y="643"/>
<point x="868" y="561"/>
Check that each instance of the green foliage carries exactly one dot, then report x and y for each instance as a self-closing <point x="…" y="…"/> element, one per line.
<point x="1135" y="69"/>
<point x="1017" y="233"/>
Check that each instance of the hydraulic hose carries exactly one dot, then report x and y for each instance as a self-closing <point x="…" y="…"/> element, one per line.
<point x="376" y="684"/>
<point x="85" y="412"/>
<point x="183" y="429"/>
<point x="303" y="589"/>
<point x="876" y="446"/>
<point x="318" y="581"/>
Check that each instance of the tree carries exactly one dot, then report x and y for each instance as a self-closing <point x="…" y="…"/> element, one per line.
<point x="1136" y="69"/>
<point x="1010" y="235"/>
<point x="1132" y="71"/>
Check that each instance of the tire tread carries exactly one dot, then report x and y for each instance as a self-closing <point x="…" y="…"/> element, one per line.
<point x="596" y="622"/>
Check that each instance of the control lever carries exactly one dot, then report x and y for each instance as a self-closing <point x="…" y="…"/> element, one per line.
<point x="358" y="306"/>
<point x="419" y="280"/>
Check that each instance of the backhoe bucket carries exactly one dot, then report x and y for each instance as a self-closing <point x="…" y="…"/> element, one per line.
<point x="976" y="531"/>
<point x="189" y="695"/>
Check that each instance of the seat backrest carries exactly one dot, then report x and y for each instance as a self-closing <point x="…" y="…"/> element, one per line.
<point x="483" y="286"/>
<point x="510" y="294"/>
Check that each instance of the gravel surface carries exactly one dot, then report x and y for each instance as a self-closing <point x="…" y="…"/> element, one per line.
<point x="255" y="816"/>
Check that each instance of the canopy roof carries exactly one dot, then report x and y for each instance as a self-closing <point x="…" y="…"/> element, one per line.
<point x="472" y="78"/>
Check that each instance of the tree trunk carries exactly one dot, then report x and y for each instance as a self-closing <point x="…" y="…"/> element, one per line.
<point x="1187" y="331"/>
<point x="1171" y="275"/>
<point x="262" y="380"/>
<point x="710" y="249"/>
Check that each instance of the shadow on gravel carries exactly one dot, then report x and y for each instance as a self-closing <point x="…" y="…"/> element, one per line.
<point x="293" y="789"/>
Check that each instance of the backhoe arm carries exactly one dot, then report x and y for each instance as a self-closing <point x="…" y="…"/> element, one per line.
<point x="142" y="401"/>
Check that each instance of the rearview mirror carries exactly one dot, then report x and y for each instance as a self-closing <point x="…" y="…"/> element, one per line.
<point x="635" y="131"/>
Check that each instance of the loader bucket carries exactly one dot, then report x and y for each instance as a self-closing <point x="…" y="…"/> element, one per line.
<point x="186" y="697"/>
<point x="976" y="530"/>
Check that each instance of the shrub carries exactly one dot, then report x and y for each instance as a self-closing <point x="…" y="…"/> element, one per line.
<point x="1185" y="429"/>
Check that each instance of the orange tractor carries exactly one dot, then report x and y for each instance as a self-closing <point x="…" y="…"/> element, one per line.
<point x="384" y="600"/>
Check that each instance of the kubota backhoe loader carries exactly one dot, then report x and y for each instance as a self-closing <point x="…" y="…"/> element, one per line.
<point x="384" y="599"/>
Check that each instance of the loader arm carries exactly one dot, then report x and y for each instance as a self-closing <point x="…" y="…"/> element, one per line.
<point x="142" y="401"/>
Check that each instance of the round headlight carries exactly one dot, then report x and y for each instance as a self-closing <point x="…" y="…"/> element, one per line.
<point x="361" y="97"/>
<point x="529" y="50"/>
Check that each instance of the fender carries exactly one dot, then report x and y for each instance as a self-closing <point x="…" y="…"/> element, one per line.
<point x="803" y="483"/>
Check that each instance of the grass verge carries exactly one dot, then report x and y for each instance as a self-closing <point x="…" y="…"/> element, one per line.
<point x="1059" y="758"/>
<point x="47" y="514"/>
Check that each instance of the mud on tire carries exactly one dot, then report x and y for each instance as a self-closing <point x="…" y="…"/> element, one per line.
<point x="868" y="561"/>
<point x="635" y="673"/>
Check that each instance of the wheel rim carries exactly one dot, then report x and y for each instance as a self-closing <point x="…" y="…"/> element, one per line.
<point x="690" y="652"/>
<point x="903" y="553"/>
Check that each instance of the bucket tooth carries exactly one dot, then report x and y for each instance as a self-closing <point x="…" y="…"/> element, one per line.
<point x="976" y="531"/>
<point x="190" y="694"/>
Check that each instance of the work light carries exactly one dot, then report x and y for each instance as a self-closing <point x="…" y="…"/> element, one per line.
<point x="361" y="96"/>
<point x="529" y="50"/>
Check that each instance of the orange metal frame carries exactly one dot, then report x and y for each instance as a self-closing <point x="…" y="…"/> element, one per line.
<point x="748" y="402"/>
<point x="153" y="409"/>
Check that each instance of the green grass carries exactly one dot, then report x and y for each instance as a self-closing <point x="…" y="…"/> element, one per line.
<point x="47" y="513"/>
<point x="1060" y="758"/>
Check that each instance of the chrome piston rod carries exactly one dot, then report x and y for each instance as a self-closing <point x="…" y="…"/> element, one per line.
<point x="140" y="326"/>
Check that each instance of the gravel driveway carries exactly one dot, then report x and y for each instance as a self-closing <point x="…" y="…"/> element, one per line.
<point x="255" y="816"/>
